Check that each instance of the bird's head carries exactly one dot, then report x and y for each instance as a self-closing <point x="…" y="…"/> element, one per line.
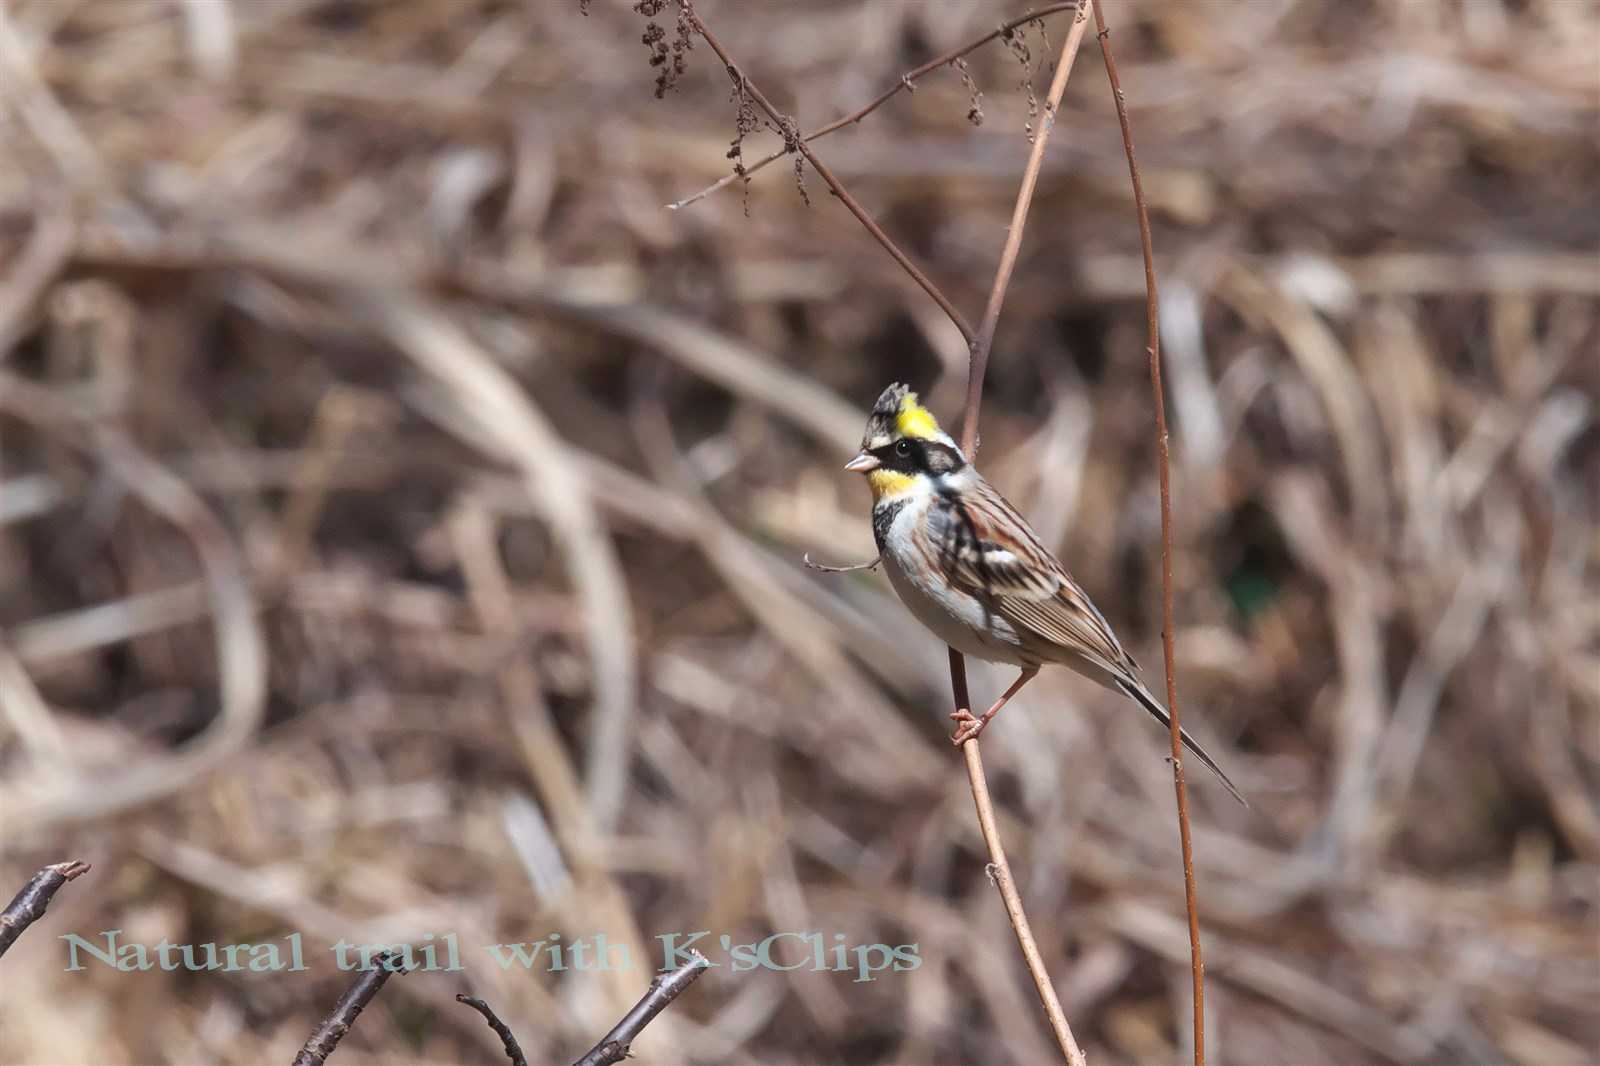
<point x="903" y="447"/>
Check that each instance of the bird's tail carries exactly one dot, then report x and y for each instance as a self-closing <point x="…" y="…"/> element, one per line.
<point x="1141" y="696"/>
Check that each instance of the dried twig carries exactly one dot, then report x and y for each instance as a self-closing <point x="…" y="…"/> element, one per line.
<point x="501" y="1029"/>
<point x="613" y="1047"/>
<point x="28" y="905"/>
<point x="664" y="988"/>
<point x="906" y="82"/>
<point x="783" y="121"/>
<point x="851" y="568"/>
<point x="326" y="1036"/>
<point x="1169" y="656"/>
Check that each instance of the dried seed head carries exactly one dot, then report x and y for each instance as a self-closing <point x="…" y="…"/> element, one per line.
<point x="975" y="110"/>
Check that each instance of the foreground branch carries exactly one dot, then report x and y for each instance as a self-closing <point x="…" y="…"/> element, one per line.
<point x="29" y="904"/>
<point x="613" y="1047"/>
<point x="326" y="1036"/>
<point x="501" y="1029"/>
<point x="665" y="988"/>
<point x="1163" y="461"/>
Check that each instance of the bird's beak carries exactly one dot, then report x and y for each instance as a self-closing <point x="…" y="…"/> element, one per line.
<point x="862" y="463"/>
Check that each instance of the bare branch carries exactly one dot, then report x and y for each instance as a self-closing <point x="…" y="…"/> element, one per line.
<point x="1163" y="460"/>
<point x="906" y="82"/>
<point x="29" y="904"/>
<point x="613" y="1047"/>
<point x="784" y="122"/>
<point x="501" y="1029"/>
<point x="326" y="1036"/>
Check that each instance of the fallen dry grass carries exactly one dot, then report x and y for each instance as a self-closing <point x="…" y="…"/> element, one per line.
<point x="401" y="514"/>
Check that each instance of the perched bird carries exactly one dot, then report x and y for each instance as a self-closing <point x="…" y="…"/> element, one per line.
<point x="969" y="567"/>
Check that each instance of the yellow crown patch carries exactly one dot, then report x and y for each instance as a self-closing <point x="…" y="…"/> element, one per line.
<point x="915" y="420"/>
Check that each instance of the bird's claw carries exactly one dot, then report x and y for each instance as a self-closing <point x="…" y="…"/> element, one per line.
<point x="971" y="725"/>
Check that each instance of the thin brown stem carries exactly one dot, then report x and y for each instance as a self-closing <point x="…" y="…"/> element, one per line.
<point x="1163" y="461"/>
<point x="980" y="346"/>
<point x="1000" y="870"/>
<point x="795" y="143"/>
<point x="907" y="83"/>
<point x="28" y="905"/>
<point x="1019" y="218"/>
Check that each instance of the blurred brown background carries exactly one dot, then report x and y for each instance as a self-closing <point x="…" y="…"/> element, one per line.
<point x="401" y="516"/>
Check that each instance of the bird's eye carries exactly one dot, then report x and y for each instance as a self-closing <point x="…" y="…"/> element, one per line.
<point x="902" y="447"/>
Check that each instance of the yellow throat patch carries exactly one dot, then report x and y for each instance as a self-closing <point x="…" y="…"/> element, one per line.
<point x="889" y="483"/>
<point x="915" y="420"/>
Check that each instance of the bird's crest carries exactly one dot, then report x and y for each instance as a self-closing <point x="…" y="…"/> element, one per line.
<point x="899" y="407"/>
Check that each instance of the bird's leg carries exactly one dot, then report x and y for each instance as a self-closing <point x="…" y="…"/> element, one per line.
<point x="971" y="726"/>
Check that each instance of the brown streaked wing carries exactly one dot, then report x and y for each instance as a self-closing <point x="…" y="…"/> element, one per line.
<point x="990" y="550"/>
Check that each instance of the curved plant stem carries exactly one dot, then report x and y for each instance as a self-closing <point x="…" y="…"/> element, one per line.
<point x="1163" y="460"/>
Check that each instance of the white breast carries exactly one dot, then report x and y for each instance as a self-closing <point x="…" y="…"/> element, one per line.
<point x="958" y="619"/>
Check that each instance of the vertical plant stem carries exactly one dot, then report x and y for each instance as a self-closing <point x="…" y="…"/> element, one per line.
<point x="1163" y="460"/>
<point x="1019" y="219"/>
<point x="981" y="344"/>
<point x="1000" y="871"/>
